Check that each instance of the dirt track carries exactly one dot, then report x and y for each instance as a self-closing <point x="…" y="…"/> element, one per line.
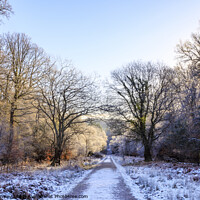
<point x="104" y="182"/>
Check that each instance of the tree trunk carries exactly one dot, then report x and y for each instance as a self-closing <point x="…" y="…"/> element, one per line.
<point x="11" y="133"/>
<point x="57" y="157"/>
<point x="11" y="127"/>
<point x="147" y="153"/>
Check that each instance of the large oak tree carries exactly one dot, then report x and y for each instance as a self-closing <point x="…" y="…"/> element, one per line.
<point x="141" y="95"/>
<point x="21" y="66"/>
<point x="65" y="97"/>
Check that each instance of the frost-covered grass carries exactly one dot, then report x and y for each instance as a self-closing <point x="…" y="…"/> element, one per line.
<point x="160" y="180"/>
<point x="42" y="181"/>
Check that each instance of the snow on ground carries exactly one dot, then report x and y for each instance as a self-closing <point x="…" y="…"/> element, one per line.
<point x="38" y="184"/>
<point x="160" y="180"/>
<point x="135" y="189"/>
<point x="155" y="181"/>
<point x="101" y="184"/>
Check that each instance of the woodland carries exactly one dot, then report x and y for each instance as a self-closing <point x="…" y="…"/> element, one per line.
<point x="50" y="111"/>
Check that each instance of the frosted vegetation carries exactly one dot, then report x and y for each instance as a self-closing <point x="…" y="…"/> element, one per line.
<point x="50" y="111"/>
<point x="161" y="180"/>
<point x="43" y="181"/>
<point x="56" y="123"/>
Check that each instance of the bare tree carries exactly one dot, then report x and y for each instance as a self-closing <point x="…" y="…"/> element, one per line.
<point x="183" y="134"/>
<point x="189" y="53"/>
<point x="5" y="9"/>
<point x="188" y="72"/>
<point x="141" y="95"/>
<point x="182" y="141"/>
<point x="65" y="97"/>
<point x="22" y="65"/>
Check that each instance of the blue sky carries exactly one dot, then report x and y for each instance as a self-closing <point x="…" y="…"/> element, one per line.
<point x="102" y="35"/>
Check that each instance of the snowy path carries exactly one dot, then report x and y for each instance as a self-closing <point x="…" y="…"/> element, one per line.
<point x="104" y="182"/>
